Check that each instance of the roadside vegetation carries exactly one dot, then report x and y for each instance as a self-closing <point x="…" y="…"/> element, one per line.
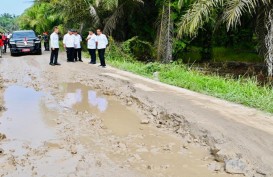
<point x="8" y="22"/>
<point x="245" y="91"/>
<point x="172" y="38"/>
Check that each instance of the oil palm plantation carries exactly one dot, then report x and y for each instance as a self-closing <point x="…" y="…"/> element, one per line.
<point x="88" y="13"/>
<point x="231" y="12"/>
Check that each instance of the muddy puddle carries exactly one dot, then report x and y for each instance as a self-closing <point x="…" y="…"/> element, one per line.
<point x="133" y="145"/>
<point x="26" y="122"/>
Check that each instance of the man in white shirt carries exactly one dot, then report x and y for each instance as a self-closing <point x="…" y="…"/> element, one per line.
<point x="64" y="38"/>
<point x="102" y="43"/>
<point x="92" y="46"/>
<point x="78" y="48"/>
<point x="54" y="45"/>
<point x="69" y="44"/>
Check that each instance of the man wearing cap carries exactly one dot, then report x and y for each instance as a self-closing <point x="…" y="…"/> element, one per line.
<point x="78" y="48"/>
<point x="102" y="43"/>
<point x="92" y="46"/>
<point x="54" y="45"/>
<point x="69" y="43"/>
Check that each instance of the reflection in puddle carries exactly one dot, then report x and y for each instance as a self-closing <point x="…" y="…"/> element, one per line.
<point x="83" y="98"/>
<point x="160" y="151"/>
<point x="24" y="119"/>
<point x="100" y="103"/>
<point x="73" y="98"/>
<point x="116" y="117"/>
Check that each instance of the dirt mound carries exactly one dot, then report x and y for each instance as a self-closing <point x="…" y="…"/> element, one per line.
<point x="2" y="136"/>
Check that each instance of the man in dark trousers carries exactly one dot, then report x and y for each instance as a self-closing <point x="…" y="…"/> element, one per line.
<point x="92" y="46"/>
<point x="102" y="43"/>
<point x="64" y="47"/>
<point x="46" y="41"/>
<point x="78" y="47"/>
<point x="70" y="44"/>
<point x="54" y="45"/>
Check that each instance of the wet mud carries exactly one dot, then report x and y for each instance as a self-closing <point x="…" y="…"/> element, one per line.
<point x="79" y="120"/>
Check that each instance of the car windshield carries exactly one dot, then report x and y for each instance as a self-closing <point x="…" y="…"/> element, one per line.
<point x="23" y="35"/>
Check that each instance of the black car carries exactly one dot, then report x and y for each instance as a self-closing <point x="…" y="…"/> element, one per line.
<point x="25" y="41"/>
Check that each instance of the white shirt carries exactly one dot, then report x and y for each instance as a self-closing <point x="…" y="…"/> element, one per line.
<point x="78" y="40"/>
<point x="69" y="41"/>
<point x="9" y="36"/>
<point x="102" y="41"/>
<point x="54" y="40"/>
<point x="92" y="41"/>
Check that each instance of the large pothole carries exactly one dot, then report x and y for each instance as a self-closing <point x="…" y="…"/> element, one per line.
<point x="135" y="145"/>
<point x="26" y="122"/>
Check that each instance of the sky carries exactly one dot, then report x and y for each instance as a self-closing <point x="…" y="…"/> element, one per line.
<point x="16" y="7"/>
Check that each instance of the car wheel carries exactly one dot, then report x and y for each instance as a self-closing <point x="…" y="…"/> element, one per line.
<point x="40" y="52"/>
<point x="12" y="54"/>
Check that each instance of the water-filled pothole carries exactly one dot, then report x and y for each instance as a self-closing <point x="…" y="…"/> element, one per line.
<point x="116" y="116"/>
<point x="142" y="147"/>
<point x="26" y="117"/>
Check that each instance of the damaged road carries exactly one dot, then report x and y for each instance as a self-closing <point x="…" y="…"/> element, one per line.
<point x="82" y="120"/>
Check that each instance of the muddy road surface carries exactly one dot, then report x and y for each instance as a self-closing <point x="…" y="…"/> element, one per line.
<point x="81" y="120"/>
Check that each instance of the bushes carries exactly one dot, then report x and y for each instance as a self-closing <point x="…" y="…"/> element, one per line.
<point x="141" y="50"/>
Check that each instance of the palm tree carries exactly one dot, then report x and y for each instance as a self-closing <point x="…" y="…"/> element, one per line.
<point x="164" y="40"/>
<point x="38" y="17"/>
<point x="231" y="12"/>
<point x="119" y="9"/>
<point x="87" y="13"/>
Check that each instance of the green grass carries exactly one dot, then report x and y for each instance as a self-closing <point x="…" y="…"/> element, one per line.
<point x="222" y="54"/>
<point x="243" y="91"/>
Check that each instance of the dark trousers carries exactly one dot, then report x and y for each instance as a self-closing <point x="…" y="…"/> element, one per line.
<point x="78" y="54"/>
<point x="54" y="56"/>
<point x="66" y="54"/>
<point x="101" y="56"/>
<point x="46" y="44"/>
<point x="5" y="47"/>
<point x="70" y="54"/>
<point x="92" y="53"/>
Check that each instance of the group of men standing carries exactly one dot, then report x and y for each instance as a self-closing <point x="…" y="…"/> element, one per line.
<point x="97" y="42"/>
<point x="72" y="44"/>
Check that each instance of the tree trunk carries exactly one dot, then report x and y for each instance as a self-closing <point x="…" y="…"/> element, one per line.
<point x="269" y="44"/>
<point x="164" y="40"/>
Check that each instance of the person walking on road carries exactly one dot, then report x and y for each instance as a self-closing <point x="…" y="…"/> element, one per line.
<point x="69" y="43"/>
<point x="102" y="43"/>
<point x="92" y="46"/>
<point x="54" y="45"/>
<point x="5" y="41"/>
<point x="1" y="44"/>
<point x="78" y="48"/>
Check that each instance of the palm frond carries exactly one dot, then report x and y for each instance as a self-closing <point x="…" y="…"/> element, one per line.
<point x="195" y="17"/>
